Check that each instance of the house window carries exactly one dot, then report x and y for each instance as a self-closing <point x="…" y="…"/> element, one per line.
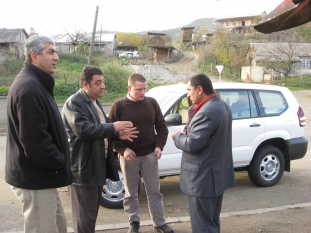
<point x="302" y="65"/>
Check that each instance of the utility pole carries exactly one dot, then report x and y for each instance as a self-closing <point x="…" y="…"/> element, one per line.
<point x="93" y="38"/>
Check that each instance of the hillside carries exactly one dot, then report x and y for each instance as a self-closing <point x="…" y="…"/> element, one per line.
<point x="175" y="33"/>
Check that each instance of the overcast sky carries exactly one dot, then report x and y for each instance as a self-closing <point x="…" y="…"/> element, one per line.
<point x="53" y="17"/>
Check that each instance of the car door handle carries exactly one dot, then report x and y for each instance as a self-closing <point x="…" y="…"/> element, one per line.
<point x="254" y="125"/>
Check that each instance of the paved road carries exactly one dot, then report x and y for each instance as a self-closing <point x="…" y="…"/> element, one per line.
<point x="244" y="207"/>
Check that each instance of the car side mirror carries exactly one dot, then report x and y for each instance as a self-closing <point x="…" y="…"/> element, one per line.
<point x="173" y="119"/>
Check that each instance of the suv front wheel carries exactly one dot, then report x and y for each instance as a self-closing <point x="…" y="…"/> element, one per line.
<point x="113" y="193"/>
<point x="267" y="167"/>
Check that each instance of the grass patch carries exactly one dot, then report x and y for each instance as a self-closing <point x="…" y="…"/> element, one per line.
<point x="4" y="90"/>
<point x="295" y="83"/>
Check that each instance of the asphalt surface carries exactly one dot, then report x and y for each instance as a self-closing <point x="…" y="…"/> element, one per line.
<point x="287" y="220"/>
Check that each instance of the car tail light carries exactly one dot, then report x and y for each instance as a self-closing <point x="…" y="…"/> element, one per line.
<point x="301" y="117"/>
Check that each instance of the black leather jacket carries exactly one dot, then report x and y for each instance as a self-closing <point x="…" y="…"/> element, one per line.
<point x="86" y="140"/>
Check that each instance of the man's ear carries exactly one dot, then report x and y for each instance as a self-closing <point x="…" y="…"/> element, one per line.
<point x="84" y="84"/>
<point x="200" y="90"/>
<point x="34" y="57"/>
<point x="129" y="88"/>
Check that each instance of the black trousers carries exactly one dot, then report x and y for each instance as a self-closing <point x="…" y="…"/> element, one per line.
<point x="204" y="214"/>
<point x="84" y="204"/>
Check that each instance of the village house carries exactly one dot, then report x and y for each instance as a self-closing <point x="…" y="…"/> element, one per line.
<point x="106" y="43"/>
<point x="187" y="36"/>
<point x="194" y="40"/>
<point x="258" y="54"/>
<point x="158" y="51"/>
<point x="64" y="44"/>
<point x="121" y="48"/>
<point x="239" y="24"/>
<point x="12" y="43"/>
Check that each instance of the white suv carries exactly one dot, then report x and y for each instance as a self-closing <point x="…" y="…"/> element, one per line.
<point x="267" y="132"/>
<point x="134" y="55"/>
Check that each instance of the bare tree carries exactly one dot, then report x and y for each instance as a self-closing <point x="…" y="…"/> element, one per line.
<point x="280" y="56"/>
<point x="77" y="37"/>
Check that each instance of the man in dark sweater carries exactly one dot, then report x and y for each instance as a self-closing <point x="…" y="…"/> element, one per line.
<point x="37" y="153"/>
<point x="141" y="155"/>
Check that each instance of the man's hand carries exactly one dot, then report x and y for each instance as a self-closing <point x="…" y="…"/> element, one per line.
<point x="122" y="125"/>
<point x="129" y="155"/>
<point x="128" y="134"/>
<point x="174" y="134"/>
<point x="157" y="153"/>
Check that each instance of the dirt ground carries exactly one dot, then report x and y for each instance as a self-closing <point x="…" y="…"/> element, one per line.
<point x="187" y="64"/>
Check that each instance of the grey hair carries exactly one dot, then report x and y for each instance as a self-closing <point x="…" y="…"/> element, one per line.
<point x="36" y="44"/>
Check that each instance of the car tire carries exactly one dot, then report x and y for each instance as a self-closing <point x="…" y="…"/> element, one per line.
<point x="267" y="167"/>
<point x="113" y="193"/>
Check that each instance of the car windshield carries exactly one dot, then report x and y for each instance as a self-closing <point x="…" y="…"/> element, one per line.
<point x="163" y="97"/>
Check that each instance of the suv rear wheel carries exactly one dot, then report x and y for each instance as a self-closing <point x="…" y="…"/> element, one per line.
<point x="267" y="167"/>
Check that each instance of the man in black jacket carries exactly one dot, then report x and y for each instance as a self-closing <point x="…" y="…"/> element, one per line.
<point x="37" y="154"/>
<point x="92" y="160"/>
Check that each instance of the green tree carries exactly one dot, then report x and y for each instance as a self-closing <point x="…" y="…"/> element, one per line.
<point x="130" y="39"/>
<point x="82" y="48"/>
<point x="304" y="32"/>
<point x="222" y="48"/>
<point x="202" y="30"/>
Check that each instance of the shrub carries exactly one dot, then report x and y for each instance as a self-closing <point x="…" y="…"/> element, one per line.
<point x="65" y="89"/>
<point x="82" y="49"/>
<point x="72" y="57"/>
<point x="11" y="66"/>
<point x="115" y="77"/>
<point x="4" y="90"/>
<point x="67" y="83"/>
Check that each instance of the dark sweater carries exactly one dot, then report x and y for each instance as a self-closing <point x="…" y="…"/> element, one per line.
<point x="149" y="122"/>
<point x="37" y="153"/>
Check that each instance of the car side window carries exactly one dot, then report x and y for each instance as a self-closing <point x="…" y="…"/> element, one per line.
<point x="241" y="102"/>
<point x="271" y="103"/>
<point x="182" y="107"/>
